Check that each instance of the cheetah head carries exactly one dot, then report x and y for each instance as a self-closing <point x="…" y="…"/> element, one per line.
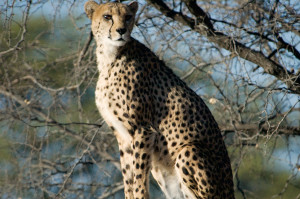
<point x="112" y="23"/>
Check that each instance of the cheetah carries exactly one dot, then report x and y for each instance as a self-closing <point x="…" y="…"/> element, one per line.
<point x="161" y="125"/>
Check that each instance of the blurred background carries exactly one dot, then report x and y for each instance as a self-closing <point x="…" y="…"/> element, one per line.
<point x="242" y="57"/>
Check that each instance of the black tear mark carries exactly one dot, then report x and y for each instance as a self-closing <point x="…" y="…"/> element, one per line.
<point x="112" y="23"/>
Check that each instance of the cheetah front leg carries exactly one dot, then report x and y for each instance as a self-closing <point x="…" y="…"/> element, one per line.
<point x="143" y="145"/>
<point x="126" y="157"/>
<point x="135" y="159"/>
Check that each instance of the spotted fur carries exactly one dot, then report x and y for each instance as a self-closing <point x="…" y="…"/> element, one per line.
<point x="161" y="124"/>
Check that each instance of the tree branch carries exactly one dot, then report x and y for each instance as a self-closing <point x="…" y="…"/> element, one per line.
<point x="255" y="128"/>
<point x="177" y="16"/>
<point x="24" y="26"/>
<point x="48" y="120"/>
<point x="204" y="26"/>
<point x="117" y="187"/>
<point x="283" y="44"/>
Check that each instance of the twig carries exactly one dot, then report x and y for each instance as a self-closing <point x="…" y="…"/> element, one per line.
<point x="25" y="19"/>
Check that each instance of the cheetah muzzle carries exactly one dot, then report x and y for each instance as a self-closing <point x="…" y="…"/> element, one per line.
<point x="161" y="125"/>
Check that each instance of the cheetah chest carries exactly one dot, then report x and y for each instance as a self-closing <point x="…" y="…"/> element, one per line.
<point x="105" y="99"/>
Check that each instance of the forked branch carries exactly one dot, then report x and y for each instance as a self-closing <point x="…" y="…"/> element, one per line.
<point x="203" y="26"/>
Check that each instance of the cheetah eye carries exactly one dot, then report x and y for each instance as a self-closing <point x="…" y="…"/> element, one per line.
<point x="107" y="17"/>
<point x="128" y="17"/>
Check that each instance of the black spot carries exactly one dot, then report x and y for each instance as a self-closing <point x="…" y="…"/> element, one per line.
<point x="187" y="154"/>
<point x="137" y="155"/>
<point x="144" y="156"/>
<point x="165" y="152"/>
<point x="142" y="145"/>
<point x="194" y="157"/>
<point x="129" y="150"/>
<point x="138" y="176"/>
<point x="185" y="171"/>
<point x="192" y="170"/>
<point x="200" y="166"/>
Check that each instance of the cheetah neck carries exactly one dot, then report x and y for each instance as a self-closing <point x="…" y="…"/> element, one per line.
<point x="106" y="54"/>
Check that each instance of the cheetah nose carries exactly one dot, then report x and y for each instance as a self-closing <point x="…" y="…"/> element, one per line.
<point x="121" y="31"/>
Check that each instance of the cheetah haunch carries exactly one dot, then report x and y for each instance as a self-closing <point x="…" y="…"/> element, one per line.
<point x="161" y="125"/>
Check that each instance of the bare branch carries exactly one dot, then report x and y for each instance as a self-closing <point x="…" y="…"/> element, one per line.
<point x="24" y="26"/>
<point x="205" y="27"/>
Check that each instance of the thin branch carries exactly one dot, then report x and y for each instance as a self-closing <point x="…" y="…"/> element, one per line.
<point x="67" y="131"/>
<point x="255" y="128"/>
<point x="85" y="48"/>
<point x="71" y="170"/>
<point x="117" y="188"/>
<point x="205" y="27"/>
<point x="283" y="44"/>
<point x="177" y="16"/>
<point x="25" y="19"/>
<point x="35" y="81"/>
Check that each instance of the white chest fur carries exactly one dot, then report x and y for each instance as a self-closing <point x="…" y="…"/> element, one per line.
<point x="103" y="102"/>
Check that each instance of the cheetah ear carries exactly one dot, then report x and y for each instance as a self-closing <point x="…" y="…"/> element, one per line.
<point x="133" y="6"/>
<point x="90" y="7"/>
